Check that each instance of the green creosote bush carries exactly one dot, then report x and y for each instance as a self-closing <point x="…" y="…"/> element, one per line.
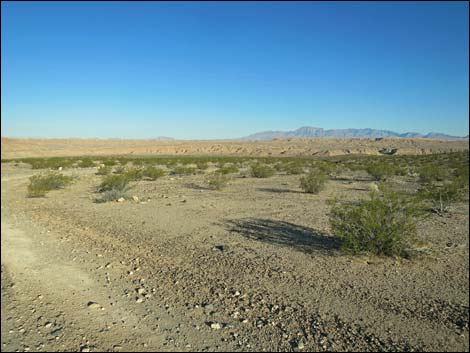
<point x="430" y="173"/>
<point x="313" y="182"/>
<point x="202" y="165"/>
<point x="48" y="163"/>
<point x="259" y="170"/>
<point x="109" y="162"/>
<point x="381" y="225"/>
<point x="153" y="173"/>
<point x="86" y="163"/>
<point x="40" y="184"/>
<point x="217" y="181"/>
<point x="134" y="174"/>
<point x="181" y="170"/>
<point x="115" y="182"/>
<point x="228" y="169"/>
<point x="381" y="171"/>
<point x="293" y="168"/>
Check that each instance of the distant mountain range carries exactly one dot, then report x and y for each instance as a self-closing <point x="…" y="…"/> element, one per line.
<point x="316" y="132"/>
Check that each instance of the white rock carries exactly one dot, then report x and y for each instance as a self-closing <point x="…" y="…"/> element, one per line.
<point x="93" y="305"/>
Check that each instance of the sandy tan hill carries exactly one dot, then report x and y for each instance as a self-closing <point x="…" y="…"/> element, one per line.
<point x="18" y="148"/>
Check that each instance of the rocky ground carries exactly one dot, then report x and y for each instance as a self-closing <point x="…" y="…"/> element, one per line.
<point x="252" y="267"/>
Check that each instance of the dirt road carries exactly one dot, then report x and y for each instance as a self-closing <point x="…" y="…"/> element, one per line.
<point x="56" y="297"/>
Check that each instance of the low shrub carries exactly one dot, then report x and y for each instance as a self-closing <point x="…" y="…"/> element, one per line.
<point x="39" y="185"/>
<point x="228" y="169"/>
<point x="202" y="165"/>
<point x="181" y="170"/>
<point x="259" y="170"/>
<point x="440" y="197"/>
<point x="382" y="225"/>
<point x="293" y="168"/>
<point x="86" y="163"/>
<point x="109" y="162"/>
<point x="115" y="182"/>
<point x="48" y="163"/>
<point x="138" y="162"/>
<point x="153" y="173"/>
<point x="381" y="171"/>
<point x="120" y="170"/>
<point x="217" y="181"/>
<point x="134" y="174"/>
<point x="430" y="173"/>
<point x="112" y="195"/>
<point x="313" y="182"/>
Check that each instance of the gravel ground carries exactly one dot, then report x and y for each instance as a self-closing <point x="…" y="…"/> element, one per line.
<point x="251" y="267"/>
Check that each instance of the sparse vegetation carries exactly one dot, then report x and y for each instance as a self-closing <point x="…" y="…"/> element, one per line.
<point x="293" y="168"/>
<point x="119" y="170"/>
<point x="103" y="170"/>
<point x="109" y="162"/>
<point x="48" y="163"/>
<point x="430" y="173"/>
<point x="381" y="171"/>
<point x="39" y="185"/>
<point x="259" y="170"/>
<point x="202" y="165"/>
<point x="86" y="163"/>
<point x="440" y="197"/>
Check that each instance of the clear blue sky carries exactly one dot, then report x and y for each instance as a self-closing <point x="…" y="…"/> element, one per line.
<point x="227" y="69"/>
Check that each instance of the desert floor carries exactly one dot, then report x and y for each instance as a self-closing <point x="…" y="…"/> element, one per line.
<point x="251" y="267"/>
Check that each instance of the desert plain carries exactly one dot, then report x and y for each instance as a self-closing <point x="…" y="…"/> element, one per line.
<point x="255" y="266"/>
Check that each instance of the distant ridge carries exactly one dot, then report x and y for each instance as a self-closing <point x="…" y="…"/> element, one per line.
<point x="316" y="132"/>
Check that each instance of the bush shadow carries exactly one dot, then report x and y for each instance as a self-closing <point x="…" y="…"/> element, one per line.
<point x="282" y="233"/>
<point x="196" y="186"/>
<point x="279" y="191"/>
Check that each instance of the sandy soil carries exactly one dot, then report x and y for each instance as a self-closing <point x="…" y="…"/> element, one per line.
<point x="255" y="261"/>
<point x="17" y="148"/>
